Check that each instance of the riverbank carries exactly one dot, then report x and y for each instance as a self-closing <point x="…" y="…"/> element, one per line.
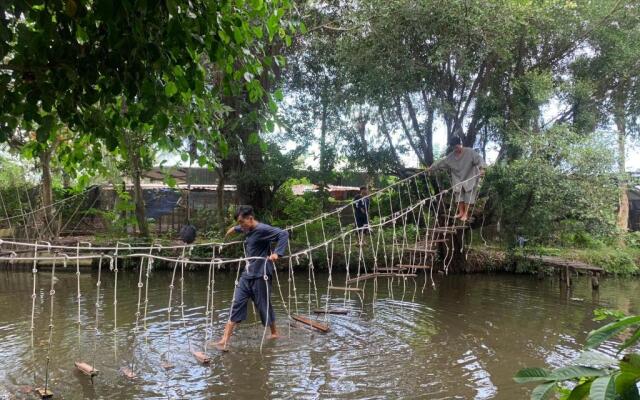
<point x="622" y="261"/>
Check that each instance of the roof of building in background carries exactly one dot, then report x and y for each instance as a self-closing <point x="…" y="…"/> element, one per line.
<point x="299" y="190"/>
<point x="181" y="186"/>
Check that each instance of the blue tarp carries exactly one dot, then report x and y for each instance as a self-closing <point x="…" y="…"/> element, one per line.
<point x="160" y="202"/>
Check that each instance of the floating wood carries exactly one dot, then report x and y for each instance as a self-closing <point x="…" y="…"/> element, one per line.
<point x="167" y="365"/>
<point x="408" y="266"/>
<point x="346" y="289"/>
<point x="339" y="311"/>
<point x="128" y="372"/>
<point x="44" y="393"/>
<point x="201" y="357"/>
<point x="86" y="368"/>
<point x="317" y="325"/>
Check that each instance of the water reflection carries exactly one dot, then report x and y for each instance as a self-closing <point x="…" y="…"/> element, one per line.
<point x="463" y="340"/>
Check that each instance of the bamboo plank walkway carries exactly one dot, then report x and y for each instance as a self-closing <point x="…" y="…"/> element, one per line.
<point x="559" y="262"/>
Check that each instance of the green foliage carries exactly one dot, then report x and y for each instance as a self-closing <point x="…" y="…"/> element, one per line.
<point x="288" y="209"/>
<point x="594" y="375"/>
<point x="562" y="188"/>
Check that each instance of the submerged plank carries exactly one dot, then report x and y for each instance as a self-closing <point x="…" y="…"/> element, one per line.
<point x="86" y="368"/>
<point x="409" y="266"/>
<point x="339" y="311"/>
<point x="317" y="325"/>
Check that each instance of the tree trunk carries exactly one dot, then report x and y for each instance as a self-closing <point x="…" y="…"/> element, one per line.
<point x="407" y="133"/>
<point x="135" y="164"/>
<point x="324" y="168"/>
<point x="620" y="120"/>
<point x="385" y="131"/>
<point x="47" y="191"/>
<point x="220" y="200"/>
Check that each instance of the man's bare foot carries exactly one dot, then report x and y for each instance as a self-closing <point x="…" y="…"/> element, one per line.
<point x="221" y="345"/>
<point x="464" y="218"/>
<point x="274" y="336"/>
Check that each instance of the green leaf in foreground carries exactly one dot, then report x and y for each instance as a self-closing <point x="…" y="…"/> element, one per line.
<point x="603" y="388"/>
<point x="542" y="392"/>
<point x="532" y="375"/>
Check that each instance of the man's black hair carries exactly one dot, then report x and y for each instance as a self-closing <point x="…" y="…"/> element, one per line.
<point x="244" y="212"/>
<point x="454" y="141"/>
<point x="364" y="188"/>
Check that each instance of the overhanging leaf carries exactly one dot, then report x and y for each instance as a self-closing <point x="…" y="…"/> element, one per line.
<point x="598" y="336"/>
<point x="572" y="372"/>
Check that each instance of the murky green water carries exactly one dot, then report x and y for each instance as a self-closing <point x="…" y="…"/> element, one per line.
<point x="463" y="340"/>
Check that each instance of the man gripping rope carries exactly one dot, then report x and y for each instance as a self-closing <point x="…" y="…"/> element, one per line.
<point x="255" y="281"/>
<point x="465" y="166"/>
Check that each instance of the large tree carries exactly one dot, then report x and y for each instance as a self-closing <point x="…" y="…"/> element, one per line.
<point x="106" y="69"/>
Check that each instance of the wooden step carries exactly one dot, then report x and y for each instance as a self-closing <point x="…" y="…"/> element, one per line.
<point x="346" y="289"/>
<point x="389" y="270"/>
<point x="408" y="266"/>
<point x="430" y="241"/>
<point x="365" y="277"/>
<point x="44" y="394"/>
<point x="421" y="249"/>
<point x="405" y="275"/>
<point x="306" y="321"/>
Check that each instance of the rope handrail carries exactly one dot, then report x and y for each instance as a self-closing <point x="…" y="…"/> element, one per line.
<point x="22" y="215"/>
<point x="396" y="216"/>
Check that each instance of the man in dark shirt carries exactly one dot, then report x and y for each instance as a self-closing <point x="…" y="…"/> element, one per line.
<point x="255" y="281"/>
<point x="361" y="210"/>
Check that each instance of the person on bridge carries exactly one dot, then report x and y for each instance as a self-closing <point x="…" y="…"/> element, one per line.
<point x="255" y="281"/>
<point x="361" y="204"/>
<point x="466" y="166"/>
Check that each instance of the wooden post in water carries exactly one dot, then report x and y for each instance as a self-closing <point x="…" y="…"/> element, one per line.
<point x="595" y="282"/>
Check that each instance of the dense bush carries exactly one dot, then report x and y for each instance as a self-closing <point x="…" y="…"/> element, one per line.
<point x="561" y="188"/>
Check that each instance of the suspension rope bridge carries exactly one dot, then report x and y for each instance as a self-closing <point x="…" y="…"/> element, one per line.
<point x="410" y="230"/>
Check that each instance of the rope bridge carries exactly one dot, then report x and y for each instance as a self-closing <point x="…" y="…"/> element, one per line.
<point x="410" y="229"/>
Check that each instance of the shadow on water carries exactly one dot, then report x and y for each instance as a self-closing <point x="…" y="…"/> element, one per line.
<point x="465" y="339"/>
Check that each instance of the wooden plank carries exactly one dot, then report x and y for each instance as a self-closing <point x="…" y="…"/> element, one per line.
<point x="339" y="311"/>
<point x="317" y="325"/>
<point x="406" y="275"/>
<point x="409" y="266"/>
<point x="346" y="289"/>
<point x="364" y="277"/>
<point x="430" y="241"/>
<point x="86" y="368"/>
<point x="421" y="250"/>
<point x="390" y="270"/>
<point x="44" y="394"/>
<point x="558" y="262"/>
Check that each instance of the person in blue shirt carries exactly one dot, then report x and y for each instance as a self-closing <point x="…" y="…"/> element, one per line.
<point x="255" y="281"/>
